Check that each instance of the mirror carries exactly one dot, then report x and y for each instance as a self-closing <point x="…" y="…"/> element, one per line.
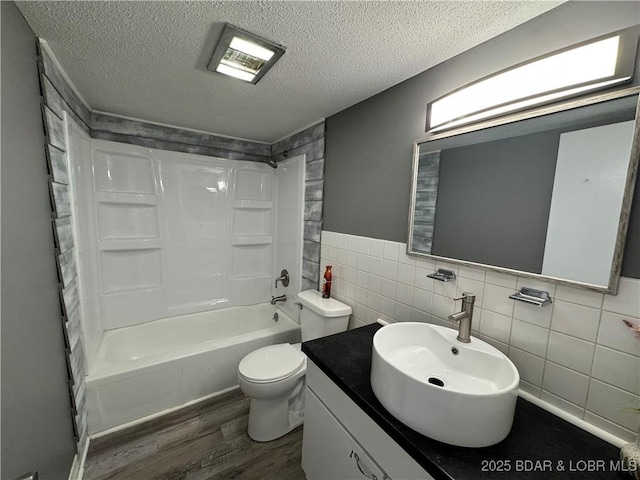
<point x="545" y="194"/>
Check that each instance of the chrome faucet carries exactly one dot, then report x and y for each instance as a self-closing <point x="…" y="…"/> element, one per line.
<point x="464" y="317"/>
<point x="284" y="278"/>
<point x="281" y="298"/>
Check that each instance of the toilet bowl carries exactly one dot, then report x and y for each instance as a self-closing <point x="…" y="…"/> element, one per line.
<point x="273" y="377"/>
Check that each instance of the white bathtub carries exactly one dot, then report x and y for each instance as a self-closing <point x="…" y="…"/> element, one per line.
<point x="145" y="369"/>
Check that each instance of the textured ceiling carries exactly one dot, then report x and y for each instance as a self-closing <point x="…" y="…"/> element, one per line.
<point x="148" y="59"/>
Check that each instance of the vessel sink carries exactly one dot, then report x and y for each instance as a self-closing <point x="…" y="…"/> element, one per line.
<point x="462" y="394"/>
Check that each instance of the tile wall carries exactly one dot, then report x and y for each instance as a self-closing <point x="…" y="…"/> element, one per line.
<point x="576" y="354"/>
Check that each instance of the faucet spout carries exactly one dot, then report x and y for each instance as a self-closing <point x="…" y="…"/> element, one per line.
<point x="281" y="298"/>
<point x="464" y="317"/>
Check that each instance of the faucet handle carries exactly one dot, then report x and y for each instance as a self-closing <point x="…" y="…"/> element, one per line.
<point x="469" y="297"/>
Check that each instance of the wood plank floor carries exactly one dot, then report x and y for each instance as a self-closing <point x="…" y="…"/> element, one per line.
<point x="201" y="442"/>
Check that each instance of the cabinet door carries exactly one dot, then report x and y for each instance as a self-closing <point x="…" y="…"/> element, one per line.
<point x="328" y="450"/>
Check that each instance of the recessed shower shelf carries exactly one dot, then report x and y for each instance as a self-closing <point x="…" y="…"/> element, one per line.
<point x="242" y="240"/>
<point x="253" y="204"/>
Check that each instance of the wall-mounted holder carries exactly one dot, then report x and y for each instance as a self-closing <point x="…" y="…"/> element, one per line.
<point x="539" y="298"/>
<point x="443" y="275"/>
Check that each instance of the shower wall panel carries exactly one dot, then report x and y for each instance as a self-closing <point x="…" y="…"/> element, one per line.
<point x="169" y="233"/>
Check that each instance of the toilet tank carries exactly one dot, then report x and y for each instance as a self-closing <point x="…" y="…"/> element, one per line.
<point x="320" y="317"/>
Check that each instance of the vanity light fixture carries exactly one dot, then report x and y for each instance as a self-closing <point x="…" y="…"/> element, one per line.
<point x="598" y="63"/>
<point x="243" y="55"/>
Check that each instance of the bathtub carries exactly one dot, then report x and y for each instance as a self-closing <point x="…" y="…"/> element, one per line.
<point x="145" y="369"/>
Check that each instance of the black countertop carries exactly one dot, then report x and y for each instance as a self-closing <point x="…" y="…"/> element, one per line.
<point x="540" y="444"/>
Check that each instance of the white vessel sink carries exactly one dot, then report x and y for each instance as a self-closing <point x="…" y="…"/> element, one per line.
<point x="458" y="393"/>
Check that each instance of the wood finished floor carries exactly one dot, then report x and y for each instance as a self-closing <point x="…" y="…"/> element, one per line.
<point x="201" y="442"/>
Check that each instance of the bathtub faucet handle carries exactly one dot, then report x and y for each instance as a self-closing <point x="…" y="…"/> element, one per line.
<point x="298" y="304"/>
<point x="284" y="278"/>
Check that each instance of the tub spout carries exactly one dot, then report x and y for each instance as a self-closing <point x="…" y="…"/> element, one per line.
<point x="281" y="298"/>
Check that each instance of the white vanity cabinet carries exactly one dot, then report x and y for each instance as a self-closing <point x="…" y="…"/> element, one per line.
<point x="340" y="441"/>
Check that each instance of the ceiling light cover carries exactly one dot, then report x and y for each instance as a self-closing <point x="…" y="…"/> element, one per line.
<point x="591" y="65"/>
<point x="243" y="55"/>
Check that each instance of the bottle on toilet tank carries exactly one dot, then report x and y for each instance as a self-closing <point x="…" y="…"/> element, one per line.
<point x="326" y="283"/>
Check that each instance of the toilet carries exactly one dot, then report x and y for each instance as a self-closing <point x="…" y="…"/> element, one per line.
<point x="273" y="377"/>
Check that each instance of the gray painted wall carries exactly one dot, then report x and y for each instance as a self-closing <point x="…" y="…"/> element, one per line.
<point x="36" y="415"/>
<point x="369" y="146"/>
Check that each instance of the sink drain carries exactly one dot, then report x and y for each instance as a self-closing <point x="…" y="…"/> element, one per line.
<point x="435" y="381"/>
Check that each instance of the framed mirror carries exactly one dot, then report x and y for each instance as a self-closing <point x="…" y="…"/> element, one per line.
<point x="545" y="193"/>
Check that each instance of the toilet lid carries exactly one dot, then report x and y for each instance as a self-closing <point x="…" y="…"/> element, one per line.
<point x="271" y="363"/>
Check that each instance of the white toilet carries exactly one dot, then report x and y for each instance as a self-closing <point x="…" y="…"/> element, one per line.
<point x="274" y="376"/>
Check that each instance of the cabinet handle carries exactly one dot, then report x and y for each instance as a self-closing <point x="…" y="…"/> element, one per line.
<point x="357" y="458"/>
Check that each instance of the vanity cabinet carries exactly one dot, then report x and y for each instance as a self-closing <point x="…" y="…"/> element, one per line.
<point x="341" y="441"/>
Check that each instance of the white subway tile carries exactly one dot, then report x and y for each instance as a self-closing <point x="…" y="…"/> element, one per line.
<point x="388" y="307"/>
<point x="342" y="256"/>
<point x="420" y="316"/>
<point x="363" y="245"/>
<point x="352" y="259"/>
<point x="576" y="320"/>
<point x="361" y="295"/>
<point x="471" y="273"/>
<point x="374" y="284"/>
<point x="352" y="243"/>
<point x="372" y="316"/>
<point x="375" y="266"/>
<point x="610" y="427"/>
<point x="362" y="279"/>
<point x="350" y="293"/>
<point x="612" y="403"/>
<point x="404" y="294"/>
<point x="529" y="337"/>
<point x="446" y="289"/>
<point x="422" y="299"/>
<point x="376" y="248"/>
<point x="496" y="299"/>
<point x="421" y="280"/>
<point x="562" y="404"/>
<point x="355" y="323"/>
<point x="615" y="334"/>
<point x="352" y="275"/>
<point x="441" y="322"/>
<point x="495" y="326"/>
<point x="360" y="311"/>
<point x="390" y="270"/>
<point x="529" y="366"/>
<point x="389" y="288"/>
<point x="373" y="301"/>
<point x="343" y="241"/>
<point x="566" y="383"/>
<point x="618" y="369"/>
<point x="427" y="263"/>
<point x="442" y="306"/>
<point x="581" y="296"/>
<point x="363" y="262"/>
<point x="627" y="301"/>
<point x="570" y="352"/>
<point x="406" y="273"/>
<point x="529" y="388"/>
<point x="527" y="312"/>
<point x="403" y="312"/>
<point x="502" y="279"/>
<point x="404" y="258"/>
<point x="391" y="251"/>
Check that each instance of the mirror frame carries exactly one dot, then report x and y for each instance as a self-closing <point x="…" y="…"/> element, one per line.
<point x="627" y="199"/>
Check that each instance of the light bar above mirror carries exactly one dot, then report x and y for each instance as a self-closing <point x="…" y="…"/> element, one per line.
<point x="599" y="63"/>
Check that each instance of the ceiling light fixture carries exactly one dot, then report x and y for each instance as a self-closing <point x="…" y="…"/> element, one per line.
<point x="592" y="65"/>
<point x="243" y="55"/>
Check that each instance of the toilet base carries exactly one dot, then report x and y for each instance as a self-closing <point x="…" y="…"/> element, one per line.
<point x="272" y="419"/>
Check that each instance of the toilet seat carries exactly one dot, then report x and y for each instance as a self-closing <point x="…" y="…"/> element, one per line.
<point x="272" y="363"/>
